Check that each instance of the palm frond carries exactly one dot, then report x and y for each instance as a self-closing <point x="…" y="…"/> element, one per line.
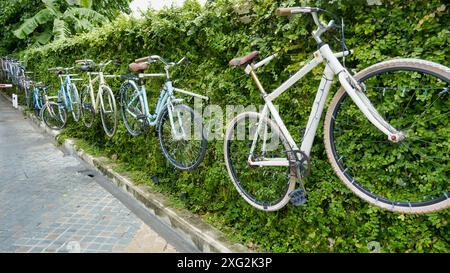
<point x="59" y="29"/>
<point x="30" y="24"/>
<point x="53" y="6"/>
<point x="84" y="13"/>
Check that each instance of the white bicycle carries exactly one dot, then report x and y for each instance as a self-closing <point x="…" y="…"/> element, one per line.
<point x="386" y="133"/>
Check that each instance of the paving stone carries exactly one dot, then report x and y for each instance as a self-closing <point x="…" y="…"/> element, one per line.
<point x="47" y="205"/>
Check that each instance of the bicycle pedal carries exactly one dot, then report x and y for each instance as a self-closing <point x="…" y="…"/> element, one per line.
<point x="143" y="119"/>
<point x="298" y="197"/>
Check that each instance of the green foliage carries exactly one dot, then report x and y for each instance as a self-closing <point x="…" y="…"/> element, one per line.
<point x="10" y="15"/>
<point x="334" y="219"/>
<point x="77" y="14"/>
<point x="28" y="22"/>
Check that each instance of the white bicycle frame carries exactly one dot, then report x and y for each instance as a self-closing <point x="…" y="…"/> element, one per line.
<point x="332" y="67"/>
<point x="101" y="79"/>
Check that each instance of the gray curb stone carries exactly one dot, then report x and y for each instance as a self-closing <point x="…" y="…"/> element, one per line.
<point x="190" y="226"/>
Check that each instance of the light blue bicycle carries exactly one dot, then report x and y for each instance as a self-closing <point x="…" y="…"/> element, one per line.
<point x="179" y="127"/>
<point x="54" y="113"/>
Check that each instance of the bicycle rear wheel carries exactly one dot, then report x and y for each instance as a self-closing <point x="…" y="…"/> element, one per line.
<point x="184" y="148"/>
<point x="108" y="111"/>
<point x="264" y="187"/>
<point x="412" y="175"/>
<point x="54" y="115"/>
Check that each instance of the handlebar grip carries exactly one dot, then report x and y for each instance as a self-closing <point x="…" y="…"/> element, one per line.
<point x="294" y="10"/>
<point x="143" y="59"/>
<point x="284" y="11"/>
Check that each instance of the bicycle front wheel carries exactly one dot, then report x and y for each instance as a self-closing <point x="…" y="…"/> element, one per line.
<point x="87" y="109"/>
<point x="38" y="102"/>
<point x="265" y="187"/>
<point x="108" y="111"/>
<point x="183" y="142"/>
<point x="412" y="175"/>
<point x="54" y="115"/>
<point x="132" y="108"/>
<point x="75" y="102"/>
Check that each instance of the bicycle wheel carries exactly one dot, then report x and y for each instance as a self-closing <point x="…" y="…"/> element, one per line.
<point x="108" y="111"/>
<point x="410" y="176"/>
<point x="54" y="115"/>
<point x="264" y="187"/>
<point x="87" y="109"/>
<point x="132" y="108"/>
<point x="75" y="101"/>
<point x="25" y="86"/>
<point x="38" y="102"/>
<point x="184" y="148"/>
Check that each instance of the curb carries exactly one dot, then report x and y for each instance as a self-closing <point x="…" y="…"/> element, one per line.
<point x="190" y="226"/>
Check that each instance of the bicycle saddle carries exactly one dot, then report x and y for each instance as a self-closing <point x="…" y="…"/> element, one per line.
<point x="245" y="59"/>
<point x="85" y="68"/>
<point x="58" y="70"/>
<point x="138" y="67"/>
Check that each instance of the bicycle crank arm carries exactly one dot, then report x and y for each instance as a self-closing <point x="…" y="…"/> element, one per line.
<point x="270" y="162"/>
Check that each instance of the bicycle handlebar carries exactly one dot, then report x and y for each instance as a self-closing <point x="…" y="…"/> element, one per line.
<point x="61" y="68"/>
<point x="322" y="27"/>
<point x="154" y="58"/>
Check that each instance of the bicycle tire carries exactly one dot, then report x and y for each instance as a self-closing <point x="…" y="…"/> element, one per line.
<point x="75" y="101"/>
<point x="108" y="106"/>
<point x="55" y="120"/>
<point x="132" y="124"/>
<point x="174" y="156"/>
<point x="406" y="160"/>
<point x="87" y="110"/>
<point x="253" y="183"/>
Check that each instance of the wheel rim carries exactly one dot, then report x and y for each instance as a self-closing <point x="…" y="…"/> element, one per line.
<point x="184" y="151"/>
<point x="410" y="173"/>
<point x="54" y="116"/>
<point x="132" y="124"/>
<point x="108" y="112"/>
<point x="75" y="102"/>
<point x="87" y="110"/>
<point x="264" y="186"/>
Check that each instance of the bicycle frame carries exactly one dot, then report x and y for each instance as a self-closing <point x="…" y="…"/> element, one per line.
<point x="100" y="78"/>
<point x="166" y="99"/>
<point x="63" y="95"/>
<point x="332" y="68"/>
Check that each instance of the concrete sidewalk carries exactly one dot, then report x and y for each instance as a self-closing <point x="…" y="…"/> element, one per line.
<point x="52" y="202"/>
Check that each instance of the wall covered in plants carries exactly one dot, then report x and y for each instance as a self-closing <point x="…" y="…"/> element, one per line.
<point x="334" y="219"/>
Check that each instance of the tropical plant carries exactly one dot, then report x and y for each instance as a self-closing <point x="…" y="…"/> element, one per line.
<point x="59" y="19"/>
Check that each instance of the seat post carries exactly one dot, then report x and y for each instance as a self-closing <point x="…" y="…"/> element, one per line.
<point x="257" y="82"/>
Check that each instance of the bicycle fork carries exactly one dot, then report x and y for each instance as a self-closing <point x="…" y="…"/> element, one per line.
<point x="356" y="93"/>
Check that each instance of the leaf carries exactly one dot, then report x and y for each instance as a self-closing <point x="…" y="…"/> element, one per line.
<point x="43" y="37"/>
<point x="44" y="16"/>
<point x="84" y="13"/>
<point x="59" y="29"/>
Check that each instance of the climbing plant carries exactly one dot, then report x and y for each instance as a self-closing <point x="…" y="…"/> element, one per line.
<point x="333" y="219"/>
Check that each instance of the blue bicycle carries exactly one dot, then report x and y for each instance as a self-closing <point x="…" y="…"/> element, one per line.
<point x="179" y="127"/>
<point x="39" y="97"/>
<point x="54" y="113"/>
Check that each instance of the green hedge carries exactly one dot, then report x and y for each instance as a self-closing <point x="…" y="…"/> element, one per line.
<point x="334" y="219"/>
